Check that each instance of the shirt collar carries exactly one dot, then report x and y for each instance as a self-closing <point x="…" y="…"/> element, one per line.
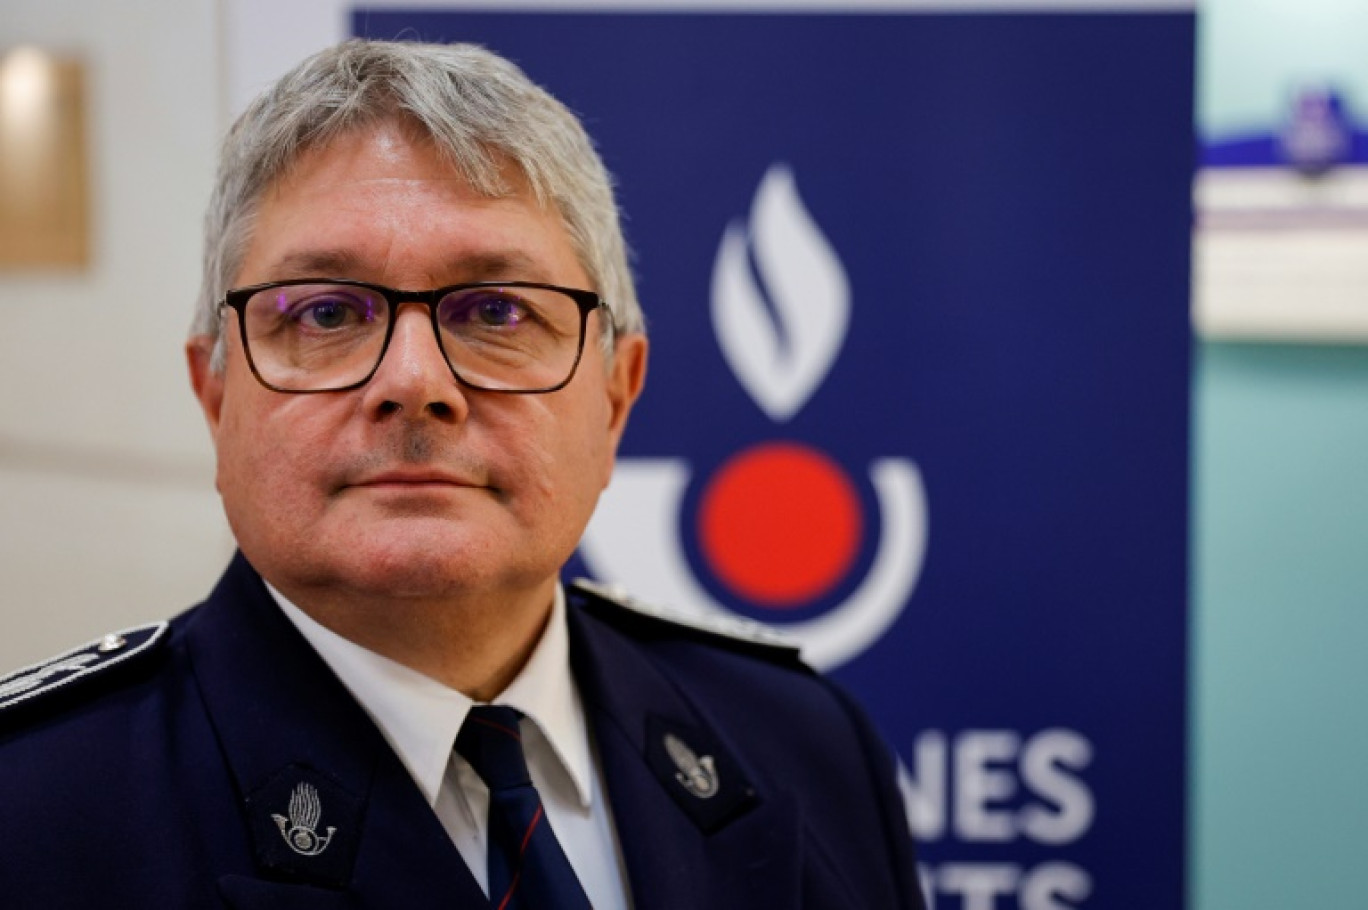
<point x="420" y="717"/>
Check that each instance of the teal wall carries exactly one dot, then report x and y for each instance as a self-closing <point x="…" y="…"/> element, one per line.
<point x="1280" y="631"/>
<point x="1279" y="784"/>
<point x="1252" y="55"/>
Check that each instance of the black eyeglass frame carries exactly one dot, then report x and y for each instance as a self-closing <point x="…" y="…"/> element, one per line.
<point x="587" y="301"/>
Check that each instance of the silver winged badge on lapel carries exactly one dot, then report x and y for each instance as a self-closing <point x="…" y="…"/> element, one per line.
<point x="696" y="775"/>
<point x="298" y="830"/>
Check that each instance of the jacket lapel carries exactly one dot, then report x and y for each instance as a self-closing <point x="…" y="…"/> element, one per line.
<point x="697" y="827"/>
<point x="332" y="814"/>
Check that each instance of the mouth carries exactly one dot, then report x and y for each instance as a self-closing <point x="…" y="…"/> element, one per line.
<point x="414" y="480"/>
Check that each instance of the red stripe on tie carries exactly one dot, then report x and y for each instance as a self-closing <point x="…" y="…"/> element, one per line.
<point x="530" y="828"/>
<point x="500" y="727"/>
<point x="512" y="886"/>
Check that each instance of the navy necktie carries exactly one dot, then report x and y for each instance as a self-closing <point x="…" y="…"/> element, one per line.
<point x="527" y="868"/>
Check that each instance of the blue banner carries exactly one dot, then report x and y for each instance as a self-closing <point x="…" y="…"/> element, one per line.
<point x="917" y="291"/>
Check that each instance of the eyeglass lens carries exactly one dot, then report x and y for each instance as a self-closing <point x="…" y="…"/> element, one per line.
<point x="325" y="336"/>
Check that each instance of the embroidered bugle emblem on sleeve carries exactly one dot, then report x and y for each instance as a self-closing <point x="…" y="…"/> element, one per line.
<point x="696" y="775"/>
<point x="698" y="772"/>
<point x="299" y="830"/>
<point x="306" y="826"/>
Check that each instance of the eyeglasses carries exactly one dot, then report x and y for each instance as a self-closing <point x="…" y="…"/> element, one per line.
<point x="329" y="335"/>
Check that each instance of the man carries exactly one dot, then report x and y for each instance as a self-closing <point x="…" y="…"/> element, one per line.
<point x="417" y="349"/>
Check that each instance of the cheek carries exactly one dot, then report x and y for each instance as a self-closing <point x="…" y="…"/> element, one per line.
<point x="526" y="452"/>
<point x="598" y="446"/>
<point x="268" y="457"/>
<point x="589" y="452"/>
<point x="556" y="451"/>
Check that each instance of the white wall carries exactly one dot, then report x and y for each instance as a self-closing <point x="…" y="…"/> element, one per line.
<point x="107" y="509"/>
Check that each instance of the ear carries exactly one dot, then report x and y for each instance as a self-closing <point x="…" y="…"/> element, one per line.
<point x="208" y="384"/>
<point x="625" y="382"/>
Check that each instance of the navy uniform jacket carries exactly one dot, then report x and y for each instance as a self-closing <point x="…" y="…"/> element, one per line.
<point x="218" y="762"/>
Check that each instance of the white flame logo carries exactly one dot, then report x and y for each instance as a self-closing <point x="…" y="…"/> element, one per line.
<point x="634" y="539"/>
<point x="781" y="358"/>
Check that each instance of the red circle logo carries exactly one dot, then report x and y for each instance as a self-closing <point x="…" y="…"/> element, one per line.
<point x="780" y="524"/>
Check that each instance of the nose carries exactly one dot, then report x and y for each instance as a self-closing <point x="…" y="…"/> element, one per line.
<point x="413" y="379"/>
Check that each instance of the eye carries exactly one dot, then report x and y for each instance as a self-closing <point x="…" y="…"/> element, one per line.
<point x="497" y="311"/>
<point x="325" y="314"/>
<point x="332" y="310"/>
<point x="485" y="309"/>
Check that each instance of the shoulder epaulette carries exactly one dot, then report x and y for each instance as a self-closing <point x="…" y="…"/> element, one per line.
<point x="64" y="671"/>
<point x="734" y="631"/>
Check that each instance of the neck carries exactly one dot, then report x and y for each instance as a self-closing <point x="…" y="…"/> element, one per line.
<point x="475" y="644"/>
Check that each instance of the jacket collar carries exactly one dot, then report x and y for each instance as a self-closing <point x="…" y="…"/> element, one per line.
<point x="329" y="805"/>
<point x="327" y="802"/>
<point x="697" y="826"/>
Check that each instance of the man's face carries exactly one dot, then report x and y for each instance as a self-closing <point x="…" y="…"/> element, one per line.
<point x="411" y="486"/>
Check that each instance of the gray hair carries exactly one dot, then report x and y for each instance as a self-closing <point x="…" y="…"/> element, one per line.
<point x="479" y="109"/>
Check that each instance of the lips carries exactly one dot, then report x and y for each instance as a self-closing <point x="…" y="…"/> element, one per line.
<point x="414" y="478"/>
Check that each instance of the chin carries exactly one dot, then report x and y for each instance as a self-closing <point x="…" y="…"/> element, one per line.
<point x="411" y="558"/>
<point x="439" y="565"/>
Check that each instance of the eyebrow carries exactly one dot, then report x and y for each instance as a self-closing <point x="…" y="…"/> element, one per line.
<point x="320" y="263"/>
<point x="342" y="263"/>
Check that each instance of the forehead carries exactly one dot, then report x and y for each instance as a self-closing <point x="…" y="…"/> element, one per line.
<point x="383" y="203"/>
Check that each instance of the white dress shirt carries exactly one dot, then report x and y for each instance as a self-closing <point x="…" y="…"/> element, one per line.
<point x="420" y="718"/>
